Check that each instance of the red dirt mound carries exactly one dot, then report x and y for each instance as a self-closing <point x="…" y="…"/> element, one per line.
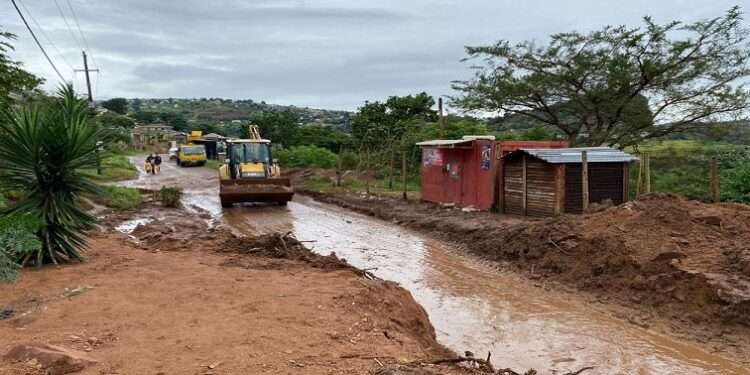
<point x="673" y="259"/>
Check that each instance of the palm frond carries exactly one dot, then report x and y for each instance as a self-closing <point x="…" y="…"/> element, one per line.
<point x="41" y="154"/>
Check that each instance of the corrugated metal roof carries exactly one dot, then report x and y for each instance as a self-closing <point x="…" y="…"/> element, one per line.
<point x="573" y="155"/>
<point x="445" y="142"/>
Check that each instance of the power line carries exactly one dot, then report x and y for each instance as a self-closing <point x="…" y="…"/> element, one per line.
<point x="45" y="34"/>
<point x="68" y="25"/>
<point x="36" y="40"/>
<point x="86" y="43"/>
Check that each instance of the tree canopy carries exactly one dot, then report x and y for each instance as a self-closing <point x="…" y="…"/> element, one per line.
<point x="280" y="127"/>
<point x="176" y="120"/>
<point x="619" y="85"/>
<point x="377" y="125"/>
<point x="13" y="78"/>
<point x="118" y="105"/>
<point x="112" y="119"/>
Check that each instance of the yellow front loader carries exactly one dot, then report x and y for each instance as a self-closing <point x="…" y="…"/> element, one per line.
<point x="250" y="174"/>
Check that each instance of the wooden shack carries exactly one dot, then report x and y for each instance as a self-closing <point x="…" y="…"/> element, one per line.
<point x="545" y="182"/>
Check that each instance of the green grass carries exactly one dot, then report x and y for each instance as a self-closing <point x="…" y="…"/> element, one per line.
<point x="213" y="164"/>
<point x="119" y="198"/>
<point x="351" y="184"/>
<point x="114" y="168"/>
<point x="683" y="167"/>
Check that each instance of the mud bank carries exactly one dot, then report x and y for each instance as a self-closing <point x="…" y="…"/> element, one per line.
<point x="176" y="296"/>
<point x="662" y="262"/>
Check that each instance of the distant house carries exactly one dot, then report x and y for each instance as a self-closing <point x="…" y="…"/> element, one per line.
<point x="142" y="132"/>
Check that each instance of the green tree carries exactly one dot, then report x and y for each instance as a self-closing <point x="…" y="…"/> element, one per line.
<point x="176" y="120"/>
<point x="619" y="85"/>
<point x="538" y="133"/>
<point x="145" y="117"/>
<point x="15" y="80"/>
<point x="280" y="127"/>
<point x="42" y="155"/>
<point x="455" y="128"/>
<point x="118" y="105"/>
<point x="322" y="136"/>
<point x="113" y="119"/>
<point x="307" y="156"/>
<point x="388" y="127"/>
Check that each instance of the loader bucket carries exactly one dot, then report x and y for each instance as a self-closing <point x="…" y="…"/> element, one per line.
<point x="255" y="190"/>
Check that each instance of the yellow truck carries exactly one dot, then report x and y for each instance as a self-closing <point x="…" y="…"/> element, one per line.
<point x="191" y="155"/>
<point x="250" y="174"/>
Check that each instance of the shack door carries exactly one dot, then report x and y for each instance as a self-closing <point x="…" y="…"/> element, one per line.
<point x="453" y="175"/>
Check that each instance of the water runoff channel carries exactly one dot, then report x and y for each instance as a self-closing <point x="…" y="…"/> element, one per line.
<point x="471" y="305"/>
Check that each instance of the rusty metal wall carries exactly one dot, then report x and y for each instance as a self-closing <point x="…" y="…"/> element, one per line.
<point x="463" y="177"/>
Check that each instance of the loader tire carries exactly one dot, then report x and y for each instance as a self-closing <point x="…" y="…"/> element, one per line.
<point x="283" y="203"/>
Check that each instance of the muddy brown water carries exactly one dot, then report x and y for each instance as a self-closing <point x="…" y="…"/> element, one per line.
<point x="472" y="306"/>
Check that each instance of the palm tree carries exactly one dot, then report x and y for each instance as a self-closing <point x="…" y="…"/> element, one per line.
<point x="41" y="153"/>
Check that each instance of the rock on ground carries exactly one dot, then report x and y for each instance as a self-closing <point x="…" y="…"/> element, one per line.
<point x="56" y="360"/>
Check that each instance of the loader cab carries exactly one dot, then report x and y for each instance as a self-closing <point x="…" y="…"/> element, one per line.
<point x="250" y="159"/>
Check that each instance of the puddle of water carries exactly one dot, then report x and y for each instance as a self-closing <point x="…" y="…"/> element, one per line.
<point x="129" y="226"/>
<point x="476" y="308"/>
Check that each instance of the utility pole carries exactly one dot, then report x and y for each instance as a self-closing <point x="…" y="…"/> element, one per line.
<point x="441" y="119"/>
<point x="86" y="70"/>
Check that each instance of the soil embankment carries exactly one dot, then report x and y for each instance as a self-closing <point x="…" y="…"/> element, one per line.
<point x="182" y="297"/>
<point x="666" y="263"/>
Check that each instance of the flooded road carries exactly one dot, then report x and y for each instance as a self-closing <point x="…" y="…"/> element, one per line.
<point x="472" y="306"/>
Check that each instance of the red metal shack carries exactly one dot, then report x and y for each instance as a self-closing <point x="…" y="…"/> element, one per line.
<point x="458" y="171"/>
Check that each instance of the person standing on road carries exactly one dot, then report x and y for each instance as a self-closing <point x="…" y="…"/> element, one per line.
<point x="149" y="164"/>
<point x="157" y="164"/>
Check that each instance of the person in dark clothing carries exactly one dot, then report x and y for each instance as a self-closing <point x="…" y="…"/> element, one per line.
<point x="157" y="164"/>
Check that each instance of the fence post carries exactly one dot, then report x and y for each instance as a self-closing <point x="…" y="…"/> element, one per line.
<point x="367" y="171"/>
<point x="403" y="173"/>
<point x="341" y="163"/>
<point x="647" y="171"/>
<point x="585" y="179"/>
<point x="639" y="183"/>
<point x="715" y="179"/>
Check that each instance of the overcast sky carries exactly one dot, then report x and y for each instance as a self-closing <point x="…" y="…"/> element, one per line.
<point x="324" y="54"/>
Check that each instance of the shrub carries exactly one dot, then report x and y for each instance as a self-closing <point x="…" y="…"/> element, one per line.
<point x="307" y="156"/>
<point x="42" y="153"/>
<point x="121" y="198"/>
<point x="350" y="160"/>
<point x="170" y="196"/>
<point x="19" y="240"/>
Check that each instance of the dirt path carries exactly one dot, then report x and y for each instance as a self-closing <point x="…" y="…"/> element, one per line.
<point x="152" y="311"/>
<point x="472" y="305"/>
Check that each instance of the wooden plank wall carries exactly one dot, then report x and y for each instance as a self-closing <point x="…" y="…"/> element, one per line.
<point x="540" y="188"/>
<point x="513" y="186"/>
<point x="605" y="182"/>
<point x="573" y="188"/>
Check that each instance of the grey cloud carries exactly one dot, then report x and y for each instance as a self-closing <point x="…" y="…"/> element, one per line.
<point x="321" y="53"/>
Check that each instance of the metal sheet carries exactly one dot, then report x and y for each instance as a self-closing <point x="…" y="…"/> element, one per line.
<point x="573" y="155"/>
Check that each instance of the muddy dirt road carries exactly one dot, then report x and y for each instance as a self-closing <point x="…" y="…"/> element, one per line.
<point x="472" y="306"/>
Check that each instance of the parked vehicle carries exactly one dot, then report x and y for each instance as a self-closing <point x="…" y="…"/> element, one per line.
<point x="191" y="155"/>
<point x="173" y="153"/>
